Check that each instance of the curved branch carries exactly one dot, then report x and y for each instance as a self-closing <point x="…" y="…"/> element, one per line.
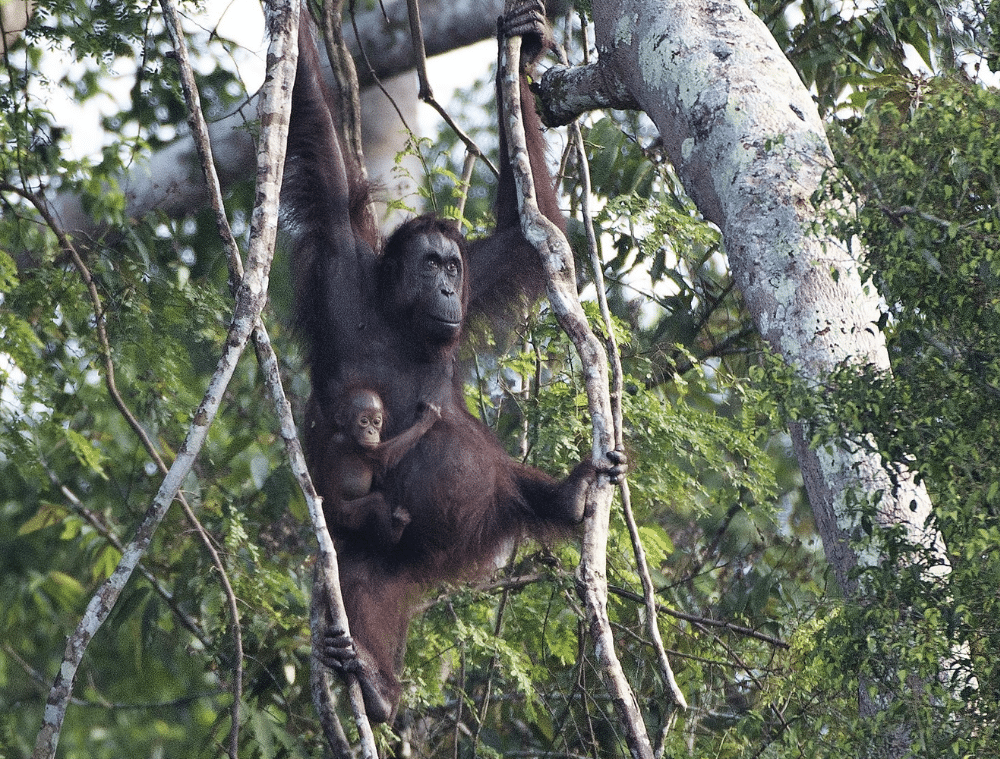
<point x="326" y="597"/>
<point x="557" y="260"/>
<point x="199" y="129"/>
<point x="105" y="532"/>
<point x="450" y="24"/>
<point x="705" y="621"/>
<point x="426" y="94"/>
<point x="567" y="92"/>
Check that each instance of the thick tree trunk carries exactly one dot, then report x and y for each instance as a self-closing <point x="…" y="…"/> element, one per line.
<point x="746" y="139"/>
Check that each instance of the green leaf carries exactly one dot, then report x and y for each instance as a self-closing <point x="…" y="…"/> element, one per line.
<point x="47" y="515"/>
<point x="86" y="453"/>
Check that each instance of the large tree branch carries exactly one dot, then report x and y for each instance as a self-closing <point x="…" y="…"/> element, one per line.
<point x="570" y="91"/>
<point x="446" y="24"/>
<point x="747" y="141"/>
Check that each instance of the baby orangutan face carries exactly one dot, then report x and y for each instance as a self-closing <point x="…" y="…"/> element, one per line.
<point x="368" y="416"/>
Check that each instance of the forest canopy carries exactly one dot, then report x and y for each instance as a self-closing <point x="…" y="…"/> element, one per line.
<point x="121" y="336"/>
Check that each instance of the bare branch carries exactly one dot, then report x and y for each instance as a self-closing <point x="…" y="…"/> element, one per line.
<point x="449" y="25"/>
<point x="105" y="531"/>
<point x="426" y="94"/>
<point x="284" y="28"/>
<point x="704" y="621"/>
<point x="251" y="297"/>
<point x="199" y="129"/>
<point x="676" y="695"/>
<point x="327" y="604"/>
<point x="557" y="260"/>
<point x="107" y="596"/>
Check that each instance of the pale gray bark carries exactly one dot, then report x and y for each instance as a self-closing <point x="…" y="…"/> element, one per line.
<point x="743" y="133"/>
<point x="275" y="104"/>
<point x="560" y="274"/>
<point x="569" y="91"/>
<point x="747" y="141"/>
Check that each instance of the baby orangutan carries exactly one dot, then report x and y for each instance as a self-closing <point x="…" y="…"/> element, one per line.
<point x="360" y="458"/>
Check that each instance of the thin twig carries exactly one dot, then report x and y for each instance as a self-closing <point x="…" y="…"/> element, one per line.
<point x="704" y="621"/>
<point x="426" y="94"/>
<point x="491" y="669"/>
<point x="462" y="695"/>
<point x="105" y="531"/>
<point x="752" y="673"/>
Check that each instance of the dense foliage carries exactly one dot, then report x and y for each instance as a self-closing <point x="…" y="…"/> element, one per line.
<point x="925" y="161"/>
<point x="763" y="649"/>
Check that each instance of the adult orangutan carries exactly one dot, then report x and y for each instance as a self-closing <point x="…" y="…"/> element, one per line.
<point x="389" y="318"/>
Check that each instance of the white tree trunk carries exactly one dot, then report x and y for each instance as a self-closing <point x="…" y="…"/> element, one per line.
<point x="743" y="133"/>
<point x="745" y="137"/>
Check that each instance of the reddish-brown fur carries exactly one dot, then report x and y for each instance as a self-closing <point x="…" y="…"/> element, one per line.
<point x="358" y="459"/>
<point x="364" y="315"/>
